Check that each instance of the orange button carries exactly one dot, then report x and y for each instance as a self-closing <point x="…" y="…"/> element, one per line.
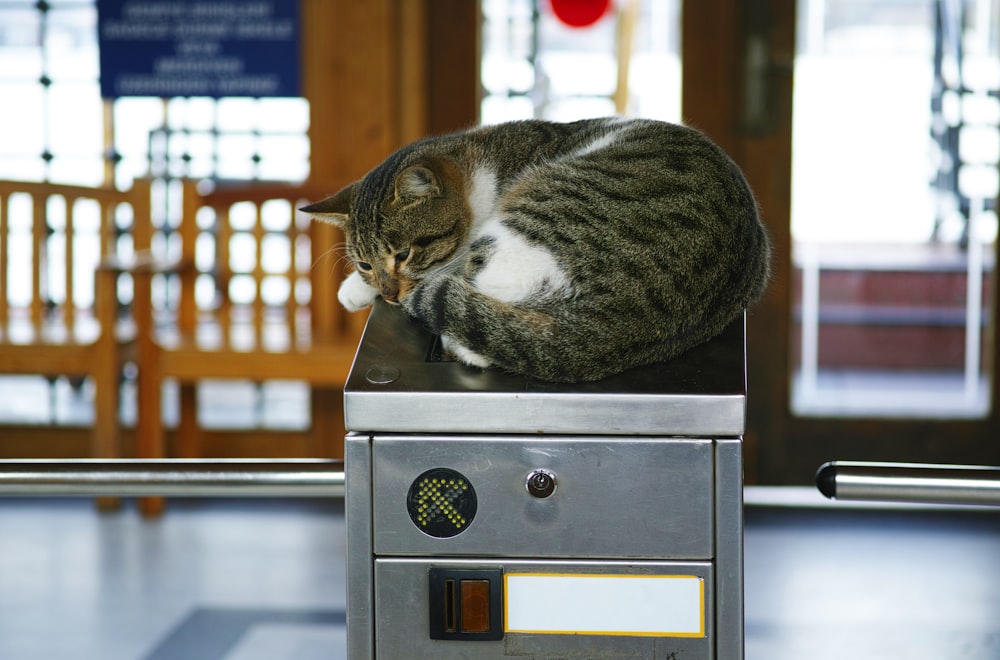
<point x="475" y="595"/>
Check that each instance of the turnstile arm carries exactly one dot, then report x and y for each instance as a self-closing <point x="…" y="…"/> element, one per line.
<point x="173" y="478"/>
<point x="910" y="482"/>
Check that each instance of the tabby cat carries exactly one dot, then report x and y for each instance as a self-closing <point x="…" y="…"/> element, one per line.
<point x="563" y="252"/>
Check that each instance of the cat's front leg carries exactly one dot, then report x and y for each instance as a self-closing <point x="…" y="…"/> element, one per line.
<point x="429" y="302"/>
<point x="356" y="294"/>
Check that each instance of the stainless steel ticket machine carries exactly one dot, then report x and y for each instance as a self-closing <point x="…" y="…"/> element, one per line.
<point x="492" y="516"/>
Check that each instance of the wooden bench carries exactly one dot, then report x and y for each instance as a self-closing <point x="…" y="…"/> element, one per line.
<point x="56" y="317"/>
<point x="250" y="295"/>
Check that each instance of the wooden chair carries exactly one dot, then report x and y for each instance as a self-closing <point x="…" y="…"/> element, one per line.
<point x="251" y="295"/>
<point x="56" y="317"/>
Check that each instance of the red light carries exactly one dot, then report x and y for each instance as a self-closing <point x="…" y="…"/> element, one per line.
<point x="580" y="13"/>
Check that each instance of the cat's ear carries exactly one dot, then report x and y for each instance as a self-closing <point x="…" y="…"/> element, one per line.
<point x="417" y="182"/>
<point x="335" y="210"/>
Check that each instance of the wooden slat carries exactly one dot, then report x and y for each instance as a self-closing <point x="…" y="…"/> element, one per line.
<point x="38" y="232"/>
<point x="328" y="318"/>
<point x="628" y="13"/>
<point x="412" y="70"/>
<point x="321" y="365"/>
<point x="69" y="235"/>
<point x="48" y="359"/>
<point x="33" y="188"/>
<point x="53" y="442"/>
<point x="453" y="60"/>
<point x="292" y="274"/>
<point x="4" y="261"/>
<point x="188" y="312"/>
<point x="223" y="234"/>
<point x="142" y="217"/>
<point x="258" y="274"/>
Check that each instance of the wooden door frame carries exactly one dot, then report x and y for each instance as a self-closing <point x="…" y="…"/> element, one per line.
<point x="782" y="448"/>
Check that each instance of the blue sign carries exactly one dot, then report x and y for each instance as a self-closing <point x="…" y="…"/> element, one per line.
<point x="199" y="47"/>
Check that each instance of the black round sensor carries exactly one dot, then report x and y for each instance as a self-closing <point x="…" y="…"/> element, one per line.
<point x="441" y="502"/>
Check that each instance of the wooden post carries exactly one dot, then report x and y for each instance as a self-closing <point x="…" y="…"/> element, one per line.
<point x="378" y="74"/>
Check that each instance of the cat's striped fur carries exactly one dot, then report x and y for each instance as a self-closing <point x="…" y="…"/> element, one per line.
<point x="565" y="252"/>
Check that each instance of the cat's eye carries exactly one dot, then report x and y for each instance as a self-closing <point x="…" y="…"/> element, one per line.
<point x="365" y="266"/>
<point x="402" y="255"/>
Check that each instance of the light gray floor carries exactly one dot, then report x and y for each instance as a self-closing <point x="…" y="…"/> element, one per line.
<point x="245" y="580"/>
<point x="872" y="584"/>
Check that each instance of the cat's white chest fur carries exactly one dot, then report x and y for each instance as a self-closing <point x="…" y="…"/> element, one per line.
<point x="517" y="269"/>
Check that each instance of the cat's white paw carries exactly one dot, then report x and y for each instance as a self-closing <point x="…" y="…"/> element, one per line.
<point x="355" y="294"/>
<point x="463" y="354"/>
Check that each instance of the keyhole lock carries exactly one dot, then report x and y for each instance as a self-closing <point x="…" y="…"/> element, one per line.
<point x="540" y="483"/>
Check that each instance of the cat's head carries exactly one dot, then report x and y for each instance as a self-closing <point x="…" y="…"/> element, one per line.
<point x="400" y="222"/>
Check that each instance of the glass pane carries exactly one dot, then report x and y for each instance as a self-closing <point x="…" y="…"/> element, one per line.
<point x="71" y="43"/>
<point x="21" y="132"/>
<point x="23" y="168"/>
<point x="201" y="152"/>
<point x="534" y="65"/>
<point x="134" y="119"/>
<point x="894" y="207"/>
<point x="20" y="30"/>
<point x="283" y="115"/>
<point x="191" y="113"/>
<point x="237" y="114"/>
<point x="283" y="157"/>
<point x="76" y="119"/>
<point x="83" y="171"/>
<point x="236" y="152"/>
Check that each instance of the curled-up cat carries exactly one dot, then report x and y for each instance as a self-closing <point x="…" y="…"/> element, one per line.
<point x="563" y="252"/>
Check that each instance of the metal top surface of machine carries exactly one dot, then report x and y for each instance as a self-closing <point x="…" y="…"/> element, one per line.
<point x="399" y="382"/>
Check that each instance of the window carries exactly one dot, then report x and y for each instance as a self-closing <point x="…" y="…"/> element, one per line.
<point x="535" y="66"/>
<point x="54" y="126"/>
<point x="894" y="188"/>
<point x="59" y="129"/>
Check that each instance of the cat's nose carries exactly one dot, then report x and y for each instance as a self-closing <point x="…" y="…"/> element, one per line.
<point x="390" y="292"/>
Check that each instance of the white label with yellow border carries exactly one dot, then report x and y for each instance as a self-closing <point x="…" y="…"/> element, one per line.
<point x="648" y="605"/>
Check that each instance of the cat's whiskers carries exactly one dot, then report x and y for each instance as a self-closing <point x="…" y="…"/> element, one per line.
<point x="337" y="250"/>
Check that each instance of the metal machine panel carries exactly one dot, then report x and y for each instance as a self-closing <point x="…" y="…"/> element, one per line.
<point x="613" y="497"/>
<point x="729" y="547"/>
<point x="460" y="480"/>
<point x="402" y="614"/>
<point x="401" y="383"/>
<point x="358" y="510"/>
